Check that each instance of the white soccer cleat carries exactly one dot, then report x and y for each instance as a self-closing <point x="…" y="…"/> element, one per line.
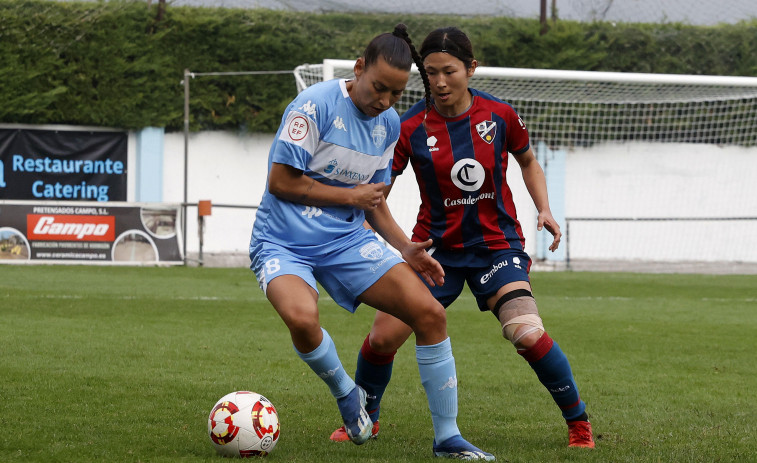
<point x="357" y="422"/>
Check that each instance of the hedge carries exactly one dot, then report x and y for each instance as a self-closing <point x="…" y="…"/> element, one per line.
<point x="112" y="64"/>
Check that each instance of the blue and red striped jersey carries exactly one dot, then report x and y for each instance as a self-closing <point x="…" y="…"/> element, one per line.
<point x="460" y="164"/>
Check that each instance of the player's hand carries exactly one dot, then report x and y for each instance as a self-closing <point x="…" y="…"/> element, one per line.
<point x="545" y="219"/>
<point x="367" y="196"/>
<point x="426" y="266"/>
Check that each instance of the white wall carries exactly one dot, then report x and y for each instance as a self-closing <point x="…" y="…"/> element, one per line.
<point x="662" y="181"/>
<point x="640" y="180"/>
<point x="224" y="168"/>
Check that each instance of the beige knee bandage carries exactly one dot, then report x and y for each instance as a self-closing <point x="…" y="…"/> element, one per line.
<point x="519" y="317"/>
<point x="515" y="329"/>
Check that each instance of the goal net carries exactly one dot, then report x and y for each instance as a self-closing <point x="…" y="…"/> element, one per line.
<point x="641" y="167"/>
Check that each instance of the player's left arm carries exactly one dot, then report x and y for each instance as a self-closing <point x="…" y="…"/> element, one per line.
<point x="536" y="183"/>
<point x="382" y="221"/>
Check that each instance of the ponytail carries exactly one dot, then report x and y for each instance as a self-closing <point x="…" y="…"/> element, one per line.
<point x="400" y="30"/>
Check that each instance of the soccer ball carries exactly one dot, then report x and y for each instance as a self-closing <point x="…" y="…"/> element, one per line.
<point x="243" y="424"/>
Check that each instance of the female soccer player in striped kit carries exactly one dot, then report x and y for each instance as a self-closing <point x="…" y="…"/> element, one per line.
<point x="458" y="149"/>
<point x="327" y="169"/>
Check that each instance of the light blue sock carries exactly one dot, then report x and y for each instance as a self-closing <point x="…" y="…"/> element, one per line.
<point x="439" y="378"/>
<point x="324" y="361"/>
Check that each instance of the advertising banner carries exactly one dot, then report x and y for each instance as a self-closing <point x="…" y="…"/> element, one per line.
<point x="63" y="165"/>
<point x="138" y="233"/>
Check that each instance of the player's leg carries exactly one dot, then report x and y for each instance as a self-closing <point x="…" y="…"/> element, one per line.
<point x="290" y="287"/>
<point x="376" y="356"/>
<point x="400" y="293"/>
<point x="516" y="310"/>
<point x="296" y="303"/>
<point x="368" y="272"/>
<point x="374" y="365"/>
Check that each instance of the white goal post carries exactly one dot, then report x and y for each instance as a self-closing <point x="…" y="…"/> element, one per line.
<point x="640" y="167"/>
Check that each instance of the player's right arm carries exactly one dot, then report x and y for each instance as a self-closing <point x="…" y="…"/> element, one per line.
<point x="536" y="184"/>
<point x="291" y="184"/>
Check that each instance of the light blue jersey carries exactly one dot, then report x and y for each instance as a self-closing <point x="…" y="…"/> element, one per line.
<point x="326" y="136"/>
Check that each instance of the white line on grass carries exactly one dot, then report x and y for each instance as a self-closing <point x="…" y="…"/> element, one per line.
<point x="261" y="297"/>
<point x="128" y="298"/>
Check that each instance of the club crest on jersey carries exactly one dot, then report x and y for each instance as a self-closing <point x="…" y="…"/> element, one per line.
<point x="487" y="130"/>
<point x="379" y="135"/>
<point x="371" y="251"/>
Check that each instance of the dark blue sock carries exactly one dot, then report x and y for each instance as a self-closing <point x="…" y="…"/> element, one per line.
<point x="553" y="370"/>
<point x="374" y="370"/>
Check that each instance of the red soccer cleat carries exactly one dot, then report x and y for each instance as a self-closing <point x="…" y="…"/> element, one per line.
<point x="580" y="434"/>
<point x="340" y="435"/>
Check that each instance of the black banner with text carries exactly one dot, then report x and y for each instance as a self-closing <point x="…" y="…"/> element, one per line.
<point x="63" y="165"/>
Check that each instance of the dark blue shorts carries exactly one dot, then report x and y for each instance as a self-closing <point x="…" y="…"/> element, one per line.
<point x="485" y="273"/>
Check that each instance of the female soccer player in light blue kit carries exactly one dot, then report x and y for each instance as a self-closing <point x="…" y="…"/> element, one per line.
<point x="328" y="166"/>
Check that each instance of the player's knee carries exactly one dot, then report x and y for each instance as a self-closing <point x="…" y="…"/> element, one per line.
<point x="302" y="326"/>
<point x="524" y="336"/>
<point x="519" y="317"/>
<point x="432" y="319"/>
<point x="388" y="333"/>
<point x="385" y="342"/>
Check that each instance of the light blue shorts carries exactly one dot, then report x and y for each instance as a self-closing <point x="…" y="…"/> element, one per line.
<point x="345" y="272"/>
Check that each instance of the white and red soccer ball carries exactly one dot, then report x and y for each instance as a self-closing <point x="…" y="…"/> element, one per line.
<point x="243" y="424"/>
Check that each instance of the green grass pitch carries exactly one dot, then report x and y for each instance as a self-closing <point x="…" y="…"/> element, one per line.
<point x="124" y="364"/>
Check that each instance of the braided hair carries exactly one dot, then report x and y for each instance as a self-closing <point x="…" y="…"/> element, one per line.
<point x="400" y="30"/>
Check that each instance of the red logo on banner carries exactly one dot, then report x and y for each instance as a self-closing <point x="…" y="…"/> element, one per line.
<point x="70" y="227"/>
